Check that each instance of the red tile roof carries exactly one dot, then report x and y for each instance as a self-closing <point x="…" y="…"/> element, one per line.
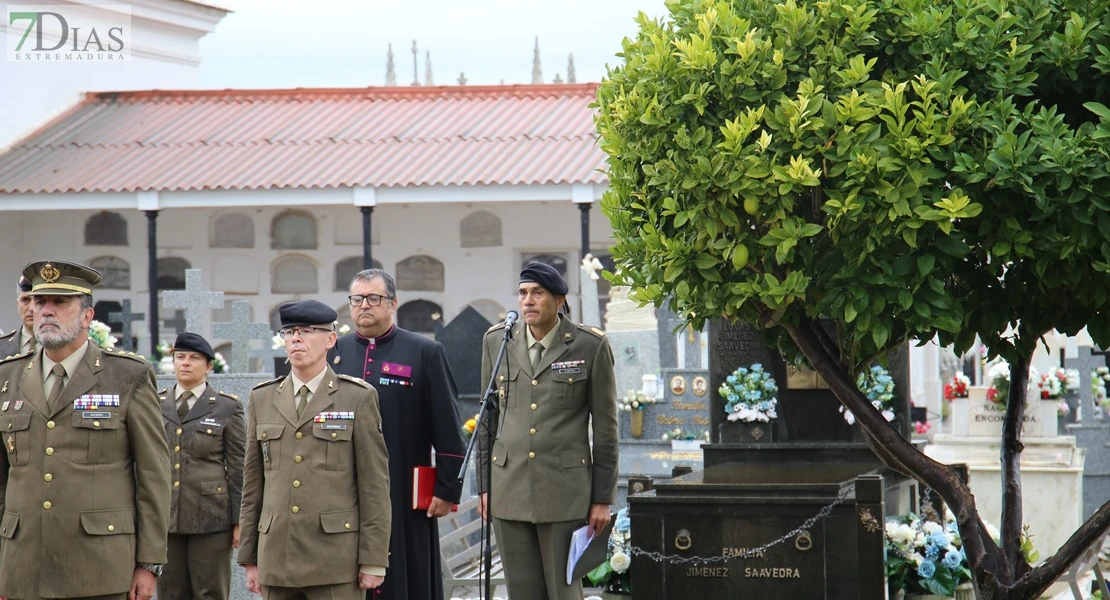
<point x="312" y="138"/>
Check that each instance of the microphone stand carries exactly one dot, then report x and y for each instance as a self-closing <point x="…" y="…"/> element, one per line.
<point x="489" y="405"/>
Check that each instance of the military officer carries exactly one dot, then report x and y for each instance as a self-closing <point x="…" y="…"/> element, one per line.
<point x="316" y="513"/>
<point x="556" y="379"/>
<point x="84" y="480"/>
<point x="21" y="339"/>
<point x="206" y="432"/>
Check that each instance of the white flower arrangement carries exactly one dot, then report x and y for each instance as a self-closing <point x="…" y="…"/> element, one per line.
<point x="999" y="376"/>
<point x="635" y="400"/>
<point x="101" y="335"/>
<point x="750" y="395"/>
<point x="1051" y="384"/>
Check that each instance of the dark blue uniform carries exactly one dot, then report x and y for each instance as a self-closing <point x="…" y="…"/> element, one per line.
<point x="418" y="401"/>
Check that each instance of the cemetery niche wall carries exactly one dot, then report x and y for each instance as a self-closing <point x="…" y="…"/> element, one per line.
<point x="756" y="489"/>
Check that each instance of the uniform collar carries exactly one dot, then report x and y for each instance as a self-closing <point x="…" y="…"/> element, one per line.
<point x="312" y="384"/>
<point x="70" y="362"/>
<point x="381" y="339"/>
<point x="197" y="391"/>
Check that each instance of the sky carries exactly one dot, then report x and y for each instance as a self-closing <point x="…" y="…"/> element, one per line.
<point x="343" y="43"/>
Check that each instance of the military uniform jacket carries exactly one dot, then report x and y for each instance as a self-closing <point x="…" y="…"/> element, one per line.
<point x="10" y="344"/>
<point x="206" y="456"/>
<point x="543" y="469"/>
<point x="315" y="487"/>
<point x="85" y="490"/>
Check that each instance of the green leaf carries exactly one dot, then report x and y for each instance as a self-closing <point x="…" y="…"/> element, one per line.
<point x="925" y="264"/>
<point x="849" y="312"/>
<point x="952" y="246"/>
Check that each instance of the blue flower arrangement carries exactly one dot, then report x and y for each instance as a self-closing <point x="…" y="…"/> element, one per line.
<point x="924" y="557"/>
<point x="878" y="386"/>
<point x="750" y="394"/>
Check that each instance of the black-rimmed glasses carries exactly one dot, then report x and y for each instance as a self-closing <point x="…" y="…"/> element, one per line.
<point x="301" y="331"/>
<point x="373" y="299"/>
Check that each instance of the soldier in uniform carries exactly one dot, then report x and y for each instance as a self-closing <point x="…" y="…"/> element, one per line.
<point x="417" y="397"/>
<point x="315" y="517"/>
<point x="556" y="379"/>
<point x="206" y="432"/>
<point x="84" y="479"/>
<point x="21" y="339"/>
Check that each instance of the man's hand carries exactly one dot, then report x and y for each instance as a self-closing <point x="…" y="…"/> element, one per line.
<point x="252" y="579"/>
<point x="235" y="536"/>
<point x="482" y="505"/>
<point x="142" y="585"/>
<point x="438" y="508"/>
<point x="599" y="518"/>
<point x="369" y="582"/>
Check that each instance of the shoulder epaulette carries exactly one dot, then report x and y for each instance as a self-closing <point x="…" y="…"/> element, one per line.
<point x="232" y="396"/>
<point x="266" y="383"/>
<point x="594" y="330"/>
<point x="8" y="335"/>
<point x="16" y="357"/>
<point x="496" y="326"/>
<point x="126" y="354"/>
<point x="163" y="390"/>
<point x="353" y="380"/>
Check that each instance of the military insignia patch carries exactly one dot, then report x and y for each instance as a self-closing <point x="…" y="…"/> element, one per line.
<point x="5" y="406"/>
<point x="49" y="273"/>
<point x="18" y="405"/>
<point x="336" y="361"/>
<point x="11" y="444"/>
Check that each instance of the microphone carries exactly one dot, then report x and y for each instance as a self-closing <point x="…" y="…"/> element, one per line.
<point x="510" y="318"/>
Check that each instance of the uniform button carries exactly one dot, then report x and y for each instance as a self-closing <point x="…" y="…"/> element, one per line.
<point x="532" y="431"/>
<point x="347" y="525"/>
<point x="297" y="459"/>
<point x="296" y="509"/>
<point x="177" y="484"/>
<point x="179" y="433"/>
<point x="111" y="528"/>
<point x="209" y="432"/>
<point x="296" y="483"/>
<point x="570" y="380"/>
<point x="333" y="436"/>
<point x="50" y="424"/>
<point x="534" y="382"/>
<point x="48" y="477"/>
<point x="263" y="435"/>
<point x="220" y="489"/>
<point x="583" y="461"/>
<point x="502" y="378"/>
<point x="50" y="452"/>
<point x="96" y="423"/>
<point x="177" y="467"/>
<point x="177" y="448"/>
<point x="299" y="435"/>
<point x="47" y="505"/>
<point x="495" y="459"/>
<point x="531" y="455"/>
<point x="534" y="406"/>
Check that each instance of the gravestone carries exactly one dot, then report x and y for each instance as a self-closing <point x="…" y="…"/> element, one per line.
<point x="125" y="318"/>
<point x="1092" y="433"/>
<point x="194" y="300"/>
<point x="177" y="323"/>
<point x="633" y="335"/>
<point x="462" y="342"/>
<point x="241" y="331"/>
<point x="587" y="277"/>
<point x="753" y="492"/>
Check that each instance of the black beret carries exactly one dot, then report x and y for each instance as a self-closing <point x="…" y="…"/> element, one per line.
<point x="545" y="275"/>
<point x="24" y="284"/>
<point x="306" y="312"/>
<point x="194" y="343"/>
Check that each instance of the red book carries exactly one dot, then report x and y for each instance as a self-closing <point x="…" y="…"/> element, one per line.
<point x="424" y="487"/>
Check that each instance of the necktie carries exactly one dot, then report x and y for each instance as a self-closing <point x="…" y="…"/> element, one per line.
<point x="183" y="408"/>
<point x="302" y="400"/>
<point x="59" y="373"/>
<point x="537" y="353"/>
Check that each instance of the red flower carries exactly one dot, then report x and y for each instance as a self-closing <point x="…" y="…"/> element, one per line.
<point x="991" y="393"/>
<point x="949" y="393"/>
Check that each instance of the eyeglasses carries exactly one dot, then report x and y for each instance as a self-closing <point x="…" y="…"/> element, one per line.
<point x="373" y="299"/>
<point x="301" y="331"/>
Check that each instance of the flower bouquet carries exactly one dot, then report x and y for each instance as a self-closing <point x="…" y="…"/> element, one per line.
<point x="634" y="404"/>
<point x="1099" y="379"/>
<point x="613" y="573"/>
<point x="924" y="557"/>
<point x="1051" y="384"/>
<point x="101" y="335"/>
<point x="469" y="427"/>
<point x="749" y="395"/>
<point x="878" y="386"/>
<point x="958" y="387"/>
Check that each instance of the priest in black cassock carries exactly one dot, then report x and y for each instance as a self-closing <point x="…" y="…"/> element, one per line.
<point x="417" y="396"/>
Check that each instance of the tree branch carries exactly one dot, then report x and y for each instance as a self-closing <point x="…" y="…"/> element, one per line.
<point x="1011" y="470"/>
<point x="1037" y="580"/>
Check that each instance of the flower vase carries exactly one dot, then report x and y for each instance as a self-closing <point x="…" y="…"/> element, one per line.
<point x="965" y="591"/>
<point x="756" y="432"/>
<point x="637" y="417"/>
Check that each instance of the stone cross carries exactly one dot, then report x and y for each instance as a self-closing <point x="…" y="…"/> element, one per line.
<point x="125" y="317"/>
<point x="591" y="313"/>
<point x="1088" y="359"/>
<point x="241" y="331"/>
<point x="195" y="300"/>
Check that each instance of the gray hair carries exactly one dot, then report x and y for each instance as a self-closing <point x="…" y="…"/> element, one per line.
<point x="369" y="274"/>
<point x="86" y="301"/>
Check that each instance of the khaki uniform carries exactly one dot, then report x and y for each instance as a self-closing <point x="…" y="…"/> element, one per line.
<point x="543" y="468"/>
<point x="206" y="452"/>
<point x="85" y="492"/>
<point x="315" y="494"/>
<point x="11" y="343"/>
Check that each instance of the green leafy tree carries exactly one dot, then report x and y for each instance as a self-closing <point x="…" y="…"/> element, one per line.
<point x="906" y="169"/>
